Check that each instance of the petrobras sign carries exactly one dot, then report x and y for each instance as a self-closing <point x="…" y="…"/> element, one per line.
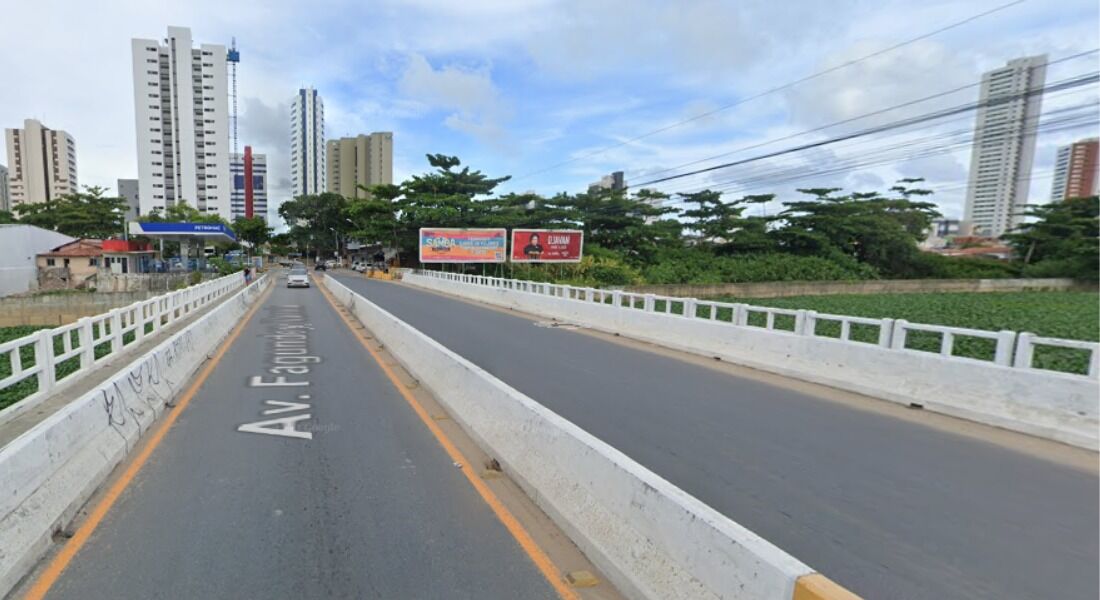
<point x="204" y="230"/>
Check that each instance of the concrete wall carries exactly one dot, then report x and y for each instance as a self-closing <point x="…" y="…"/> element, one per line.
<point x="652" y="539"/>
<point x="158" y="283"/>
<point x="776" y="289"/>
<point x="63" y="308"/>
<point x="18" y="246"/>
<point x="51" y="470"/>
<point x="1047" y="404"/>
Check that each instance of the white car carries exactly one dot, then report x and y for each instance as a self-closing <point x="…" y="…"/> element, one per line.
<point x="298" y="277"/>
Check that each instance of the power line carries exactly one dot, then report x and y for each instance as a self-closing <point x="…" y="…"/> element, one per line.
<point x="856" y="118"/>
<point x="938" y="143"/>
<point x="779" y="88"/>
<point x="1084" y="80"/>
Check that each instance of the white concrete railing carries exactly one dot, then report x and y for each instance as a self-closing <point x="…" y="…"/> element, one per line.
<point x="36" y="355"/>
<point x="1010" y="349"/>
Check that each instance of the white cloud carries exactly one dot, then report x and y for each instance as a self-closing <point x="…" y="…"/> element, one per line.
<point x="478" y="108"/>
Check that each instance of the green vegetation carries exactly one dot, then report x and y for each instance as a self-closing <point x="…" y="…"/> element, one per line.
<point x="638" y="237"/>
<point x="87" y="214"/>
<point x="1070" y="315"/>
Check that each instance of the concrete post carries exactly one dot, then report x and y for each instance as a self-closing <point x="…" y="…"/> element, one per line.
<point x="116" y="330"/>
<point x="897" y="340"/>
<point x="43" y="358"/>
<point x="87" y="342"/>
<point x="1025" y="350"/>
<point x="649" y="303"/>
<point x="617" y="298"/>
<point x="689" y="307"/>
<point x="741" y="314"/>
<point x="885" y="333"/>
<point x="1006" y="340"/>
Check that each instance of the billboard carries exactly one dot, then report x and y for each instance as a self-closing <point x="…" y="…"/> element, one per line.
<point x="449" y="245"/>
<point x="547" y="245"/>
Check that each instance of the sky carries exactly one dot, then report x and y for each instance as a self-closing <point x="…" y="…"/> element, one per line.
<point x="556" y="92"/>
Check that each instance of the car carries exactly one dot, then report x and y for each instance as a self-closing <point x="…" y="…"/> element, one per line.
<point x="320" y="267"/>
<point x="298" y="277"/>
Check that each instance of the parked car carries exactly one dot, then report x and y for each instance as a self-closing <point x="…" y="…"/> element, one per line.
<point x="298" y="277"/>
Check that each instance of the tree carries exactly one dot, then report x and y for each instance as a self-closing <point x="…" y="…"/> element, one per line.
<point x="1062" y="240"/>
<point x="317" y="221"/>
<point x="86" y="214"/>
<point x="721" y="224"/>
<point x="7" y="217"/>
<point x="181" y="212"/>
<point x="253" y="230"/>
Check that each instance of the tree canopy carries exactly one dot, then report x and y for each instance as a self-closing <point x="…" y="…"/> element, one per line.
<point x="86" y="214"/>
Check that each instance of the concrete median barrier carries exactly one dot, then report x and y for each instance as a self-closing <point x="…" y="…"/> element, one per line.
<point x="51" y="470"/>
<point x="652" y="539"/>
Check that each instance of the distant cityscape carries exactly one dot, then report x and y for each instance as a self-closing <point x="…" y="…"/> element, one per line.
<point x="187" y="145"/>
<point x="196" y="158"/>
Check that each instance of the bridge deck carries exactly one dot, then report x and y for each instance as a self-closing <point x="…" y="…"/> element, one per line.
<point x="889" y="505"/>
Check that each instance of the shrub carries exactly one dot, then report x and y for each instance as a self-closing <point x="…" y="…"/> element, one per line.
<point x="928" y="265"/>
<point x="195" y="277"/>
<point x="700" y="266"/>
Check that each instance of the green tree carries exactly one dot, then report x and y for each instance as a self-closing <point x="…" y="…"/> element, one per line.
<point x="253" y="230"/>
<point x="7" y="217"/>
<point x="1062" y="240"/>
<point x="86" y="214"/>
<point x="317" y="222"/>
<point x="723" y="226"/>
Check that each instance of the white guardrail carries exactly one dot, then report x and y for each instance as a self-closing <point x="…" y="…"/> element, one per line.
<point x="91" y="340"/>
<point x="1009" y="348"/>
<point x="999" y="378"/>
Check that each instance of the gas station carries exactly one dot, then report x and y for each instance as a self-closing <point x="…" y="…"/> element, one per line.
<point x="187" y="234"/>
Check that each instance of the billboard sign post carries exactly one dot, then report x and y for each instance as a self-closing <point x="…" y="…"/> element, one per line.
<point x="547" y="245"/>
<point x="455" y="245"/>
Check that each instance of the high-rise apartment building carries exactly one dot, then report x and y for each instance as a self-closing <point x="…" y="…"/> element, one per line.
<point x="1004" y="145"/>
<point x="181" y="115"/>
<point x="361" y="160"/>
<point x="41" y="163"/>
<point x="612" y="182"/>
<point x="1075" y="170"/>
<point x="5" y="198"/>
<point x="130" y="190"/>
<point x="307" y="143"/>
<point x="243" y="166"/>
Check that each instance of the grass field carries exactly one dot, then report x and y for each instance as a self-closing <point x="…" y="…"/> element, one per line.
<point x="1071" y="315"/>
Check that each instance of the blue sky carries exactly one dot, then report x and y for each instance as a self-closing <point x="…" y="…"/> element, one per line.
<point x="515" y="87"/>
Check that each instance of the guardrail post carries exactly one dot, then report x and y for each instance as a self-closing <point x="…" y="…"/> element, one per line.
<point x="897" y="338"/>
<point x="649" y="303"/>
<point x="689" y="307"/>
<point x="1094" y="363"/>
<point x="87" y="342"/>
<point x="116" y="330"/>
<point x="799" y="321"/>
<point x="713" y="312"/>
<point x="1005" y="341"/>
<point x="43" y="358"/>
<point x="1025" y="350"/>
<point x="587" y="294"/>
<point x="740" y="314"/>
<point x="617" y="298"/>
<point x="809" y="323"/>
<point x="885" y="332"/>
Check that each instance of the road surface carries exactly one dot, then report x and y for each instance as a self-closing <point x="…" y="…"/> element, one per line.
<point x="370" y="506"/>
<point x="888" y="507"/>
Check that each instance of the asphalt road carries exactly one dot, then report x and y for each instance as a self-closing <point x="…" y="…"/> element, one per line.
<point x="369" y="507"/>
<point x="889" y="508"/>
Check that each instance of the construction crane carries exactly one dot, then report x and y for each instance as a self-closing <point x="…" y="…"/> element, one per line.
<point x="233" y="57"/>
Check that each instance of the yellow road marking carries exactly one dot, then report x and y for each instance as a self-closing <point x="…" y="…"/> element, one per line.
<point x="533" y="551"/>
<point x="53" y="571"/>
<point x="816" y="586"/>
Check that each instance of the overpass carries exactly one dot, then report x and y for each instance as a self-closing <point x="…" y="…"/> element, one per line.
<point x="311" y="443"/>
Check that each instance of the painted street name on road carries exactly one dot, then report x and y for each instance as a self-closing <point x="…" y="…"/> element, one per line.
<point x="290" y="364"/>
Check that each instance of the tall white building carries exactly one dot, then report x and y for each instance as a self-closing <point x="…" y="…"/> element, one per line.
<point x="1004" y="146"/>
<point x="259" y="185"/>
<point x="307" y="143"/>
<point x="41" y="163"/>
<point x="181" y="114"/>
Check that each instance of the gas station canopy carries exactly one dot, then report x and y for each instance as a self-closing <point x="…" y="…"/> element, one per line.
<point x="184" y="232"/>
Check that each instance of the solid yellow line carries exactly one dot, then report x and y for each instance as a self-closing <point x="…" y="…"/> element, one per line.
<point x="533" y="551"/>
<point x="816" y="586"/>
<point x="53" y="571"/>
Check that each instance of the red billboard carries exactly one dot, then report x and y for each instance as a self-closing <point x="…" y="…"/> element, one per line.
<point x="547" y="245"/>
